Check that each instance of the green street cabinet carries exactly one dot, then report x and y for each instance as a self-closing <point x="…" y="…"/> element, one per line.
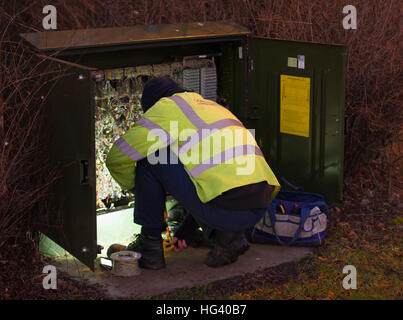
<point x="291" y="93"/>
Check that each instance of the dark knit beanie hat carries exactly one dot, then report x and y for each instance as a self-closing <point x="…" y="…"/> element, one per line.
<point x="156" y="89"/>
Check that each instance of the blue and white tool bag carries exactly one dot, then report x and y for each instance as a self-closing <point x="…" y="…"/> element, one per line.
<point x="294" y="218"/>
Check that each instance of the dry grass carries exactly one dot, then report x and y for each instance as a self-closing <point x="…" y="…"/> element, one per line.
<point x="26" y="177"/>
<point x="374" y="77"/>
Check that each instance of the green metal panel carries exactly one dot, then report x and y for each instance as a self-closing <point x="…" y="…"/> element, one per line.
<point x="314" y="162"/>
<point x="232" y="77"/>
<point x="104" y="37"/>
<point x="71" y="120"/>
<point x="134" y="56"/>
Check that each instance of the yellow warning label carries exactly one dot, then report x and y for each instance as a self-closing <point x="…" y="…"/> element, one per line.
<point x="295" y="105"/>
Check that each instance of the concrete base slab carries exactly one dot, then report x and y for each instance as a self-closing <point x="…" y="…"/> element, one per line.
<point x="184" y="269"/>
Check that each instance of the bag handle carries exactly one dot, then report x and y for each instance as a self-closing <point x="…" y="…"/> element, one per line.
<point x="323" y="207"/>
<point x="305" y="211"/>
<point x="286" y="182"/>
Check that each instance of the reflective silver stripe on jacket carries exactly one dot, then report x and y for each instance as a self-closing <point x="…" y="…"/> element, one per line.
<point x="224" y="156"/>
<point x="128" y="150"/>
<point x="198" y="136"/>
<point x="131" y="152"/>
<point x="156" y="130"/>
<point x="200" y="124"/>
<point x="189" y="112"/>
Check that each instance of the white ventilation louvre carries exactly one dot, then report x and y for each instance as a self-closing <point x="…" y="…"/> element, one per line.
<point x="191" y="80"/>
<point x="208" y="85"/>
<point x="202" y="81"/>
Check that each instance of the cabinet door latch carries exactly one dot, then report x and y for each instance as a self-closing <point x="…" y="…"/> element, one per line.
<point x="84" y="171"/>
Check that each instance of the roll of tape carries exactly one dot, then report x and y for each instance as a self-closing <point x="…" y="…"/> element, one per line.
<point x="125" y="263"/>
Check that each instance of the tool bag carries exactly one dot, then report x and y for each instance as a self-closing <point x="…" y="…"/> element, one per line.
<point x="294" y="218"/>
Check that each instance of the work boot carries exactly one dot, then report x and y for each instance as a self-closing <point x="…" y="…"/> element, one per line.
<point x="225" y="249"/>
<point x="152" y="252"/>
<point x="240" y="243"/>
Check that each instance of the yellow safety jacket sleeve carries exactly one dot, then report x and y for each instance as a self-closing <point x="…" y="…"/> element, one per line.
<point x="121" y="168"/>
<point x="122" y="157"/>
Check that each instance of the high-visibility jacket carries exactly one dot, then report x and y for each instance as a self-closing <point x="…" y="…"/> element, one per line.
<point x="217" y="151"/>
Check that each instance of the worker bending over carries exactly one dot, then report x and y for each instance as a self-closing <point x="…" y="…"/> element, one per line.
<point x="200" y="153"/>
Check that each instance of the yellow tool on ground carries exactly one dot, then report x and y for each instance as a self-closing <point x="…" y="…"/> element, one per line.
<point x="282" y="209"/>
<point x="167" y="245"/>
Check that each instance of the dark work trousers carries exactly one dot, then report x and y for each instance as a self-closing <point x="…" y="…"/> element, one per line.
<point x="153" y="181"/>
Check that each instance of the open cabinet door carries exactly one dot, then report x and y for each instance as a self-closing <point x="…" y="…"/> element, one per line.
<point x="296" y="105"/>
<point x="71" y="125"/>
